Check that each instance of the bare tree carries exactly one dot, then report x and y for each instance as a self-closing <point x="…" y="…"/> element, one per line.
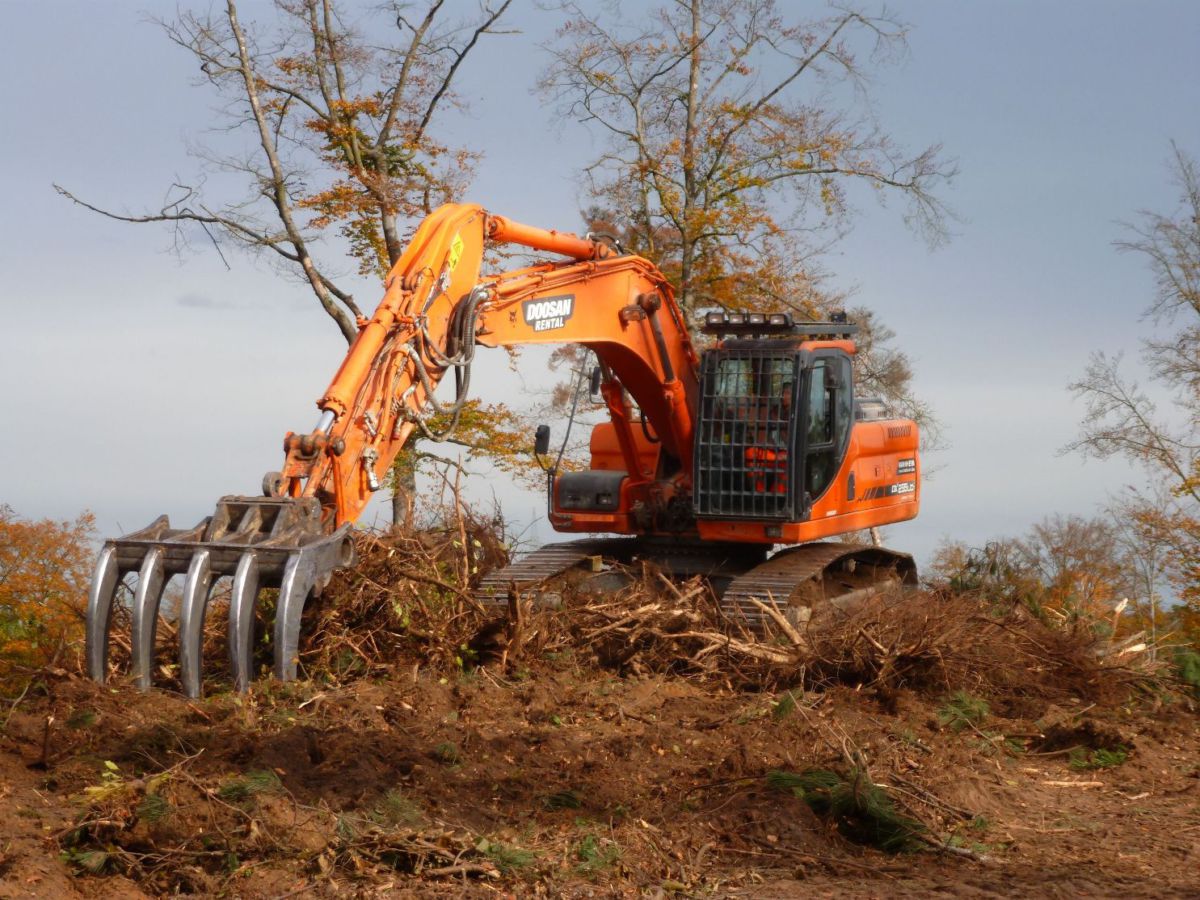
<point x="341" y="118"/>
<point x="733" y="133"/>
<point x="1122" y="420"/>
<point x="729" y="150"/>
<point x="1145" y="554"/>
<point x="1068" y="567"/>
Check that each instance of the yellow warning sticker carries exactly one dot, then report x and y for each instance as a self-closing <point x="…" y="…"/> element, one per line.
<point x="456" y="250"/>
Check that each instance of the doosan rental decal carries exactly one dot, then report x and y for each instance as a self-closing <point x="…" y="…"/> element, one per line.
<point x="549" y="312"/>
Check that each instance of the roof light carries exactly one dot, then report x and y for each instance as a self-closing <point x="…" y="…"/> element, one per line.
<point x="715" y="318"/>
<point x="757" y="319"/>
<point x="780" y="319"/>
<point x="736" y="319"/>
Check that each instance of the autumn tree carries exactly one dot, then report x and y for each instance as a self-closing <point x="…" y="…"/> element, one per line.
<point x="734" y="133"/>
<point x="45" y="568"/>
<point x="1068" y="568"/>
<point x="342" y="112"/>
<point x="1145" y="559"/>
<point x="1157" y="427"/>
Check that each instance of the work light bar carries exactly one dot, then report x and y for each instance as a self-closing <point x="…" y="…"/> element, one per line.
<point x="719" y="322"/>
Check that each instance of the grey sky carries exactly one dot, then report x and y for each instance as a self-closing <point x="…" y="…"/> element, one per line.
<point x="137" y="383"/>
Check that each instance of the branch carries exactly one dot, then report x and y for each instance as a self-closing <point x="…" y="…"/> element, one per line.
<point x="766" y="98"/>
<point x="183" y="215"/>
<point x="405" y="68"/>
<point x="458" y="58"/>
<point x="278" y="187"/>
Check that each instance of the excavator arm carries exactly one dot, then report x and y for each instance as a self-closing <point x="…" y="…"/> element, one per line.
<point x="436" y="308"/>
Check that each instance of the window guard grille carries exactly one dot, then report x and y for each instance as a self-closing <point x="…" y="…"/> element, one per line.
<point x="748" y="459"/>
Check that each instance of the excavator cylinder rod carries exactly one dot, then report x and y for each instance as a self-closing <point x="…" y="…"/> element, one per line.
<point x="258" y="542"/>
<point x="504" y="230"/>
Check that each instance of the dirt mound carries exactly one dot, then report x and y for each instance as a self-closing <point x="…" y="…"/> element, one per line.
<point x="623" y="743"/>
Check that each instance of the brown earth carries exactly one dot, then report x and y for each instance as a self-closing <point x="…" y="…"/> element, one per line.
<point x="568" y="772"/>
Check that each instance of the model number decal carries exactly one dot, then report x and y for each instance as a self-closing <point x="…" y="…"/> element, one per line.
<point x="906" y="466"/>
<point x="549" y="312"/>
<point x="889" y="490"/>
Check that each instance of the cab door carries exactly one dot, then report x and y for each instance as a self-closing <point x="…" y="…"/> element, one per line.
<point x="827" y="409"/>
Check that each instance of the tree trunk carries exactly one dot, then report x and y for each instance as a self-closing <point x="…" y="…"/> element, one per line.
<point x="687" y="246"/>
<point x="404" y="488"/>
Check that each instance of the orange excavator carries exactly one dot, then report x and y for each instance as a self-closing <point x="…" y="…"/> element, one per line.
<point x="707" y="462"/>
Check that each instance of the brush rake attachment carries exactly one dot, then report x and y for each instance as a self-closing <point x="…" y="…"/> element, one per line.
<point x="259" y="542"/>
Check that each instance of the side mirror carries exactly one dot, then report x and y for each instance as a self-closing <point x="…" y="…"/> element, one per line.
<point x="541" y="440"/>
<point x="596" y="396"/>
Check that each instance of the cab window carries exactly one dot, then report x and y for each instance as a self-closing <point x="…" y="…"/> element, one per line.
<point x="830" y="407"/>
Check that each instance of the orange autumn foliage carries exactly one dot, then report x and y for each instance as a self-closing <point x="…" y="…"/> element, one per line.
<point x="44" y="571"/>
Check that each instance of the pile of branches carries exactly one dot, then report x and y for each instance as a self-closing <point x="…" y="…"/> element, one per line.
<point x="407" y="600"/>
<point x="652" y="625"/>
<point x="178" y="830"/>
<point x="939" y="642"/>
<point x="424" y="851"/>
<point x="920" y="640"/>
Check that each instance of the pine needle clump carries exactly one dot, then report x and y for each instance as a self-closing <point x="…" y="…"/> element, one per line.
<point x="861" y="809"/>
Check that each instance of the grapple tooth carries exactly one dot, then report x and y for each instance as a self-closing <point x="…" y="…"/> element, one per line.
<point x="151" y="581"/>
<point x="299" y="578"/>
<point x="191" y="621"/>
<point x="99" y="612"/>
<point x="256" y="540"/>
<point x="241" y="621"/>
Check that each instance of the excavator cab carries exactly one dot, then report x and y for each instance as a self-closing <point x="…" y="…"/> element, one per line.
<point x="775" y="413"/>
<point x="771" y="452"/>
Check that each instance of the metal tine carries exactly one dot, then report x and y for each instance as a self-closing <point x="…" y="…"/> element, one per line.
<point x="191" y="622"/>
<point x="241" y="621"/>
<point x="151" y="581"/>
<point x="99" y="615"/>
<point x="299" y="578"/>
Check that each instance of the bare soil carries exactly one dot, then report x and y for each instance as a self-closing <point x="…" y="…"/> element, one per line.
<point x="567" y="769"/>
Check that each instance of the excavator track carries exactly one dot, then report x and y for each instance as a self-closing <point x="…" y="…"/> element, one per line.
<point x="719" y="563"/>
<point x="795" y="580"/>
<point x="798" y="580"/>
<point x="546" y="563"/>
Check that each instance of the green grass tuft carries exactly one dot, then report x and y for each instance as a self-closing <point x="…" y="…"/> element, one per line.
<point x="83" y="718"/>
<point x="1084" y="760"/>
<point x="92" y="861"/>
<point x="595" y="855"/>
<point x="960" y="710"/>
<point x="562" y="800"/>
<point x="154" y="808"/>
<point x="802" y="783"/>
<point x="784" y="706"/>
<point x="262" y="781"/>
<point x="396" y="809"/>
<point x="506" y="858"/>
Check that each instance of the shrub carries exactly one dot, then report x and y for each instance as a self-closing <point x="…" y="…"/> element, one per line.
<point x="45" y="568"/>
